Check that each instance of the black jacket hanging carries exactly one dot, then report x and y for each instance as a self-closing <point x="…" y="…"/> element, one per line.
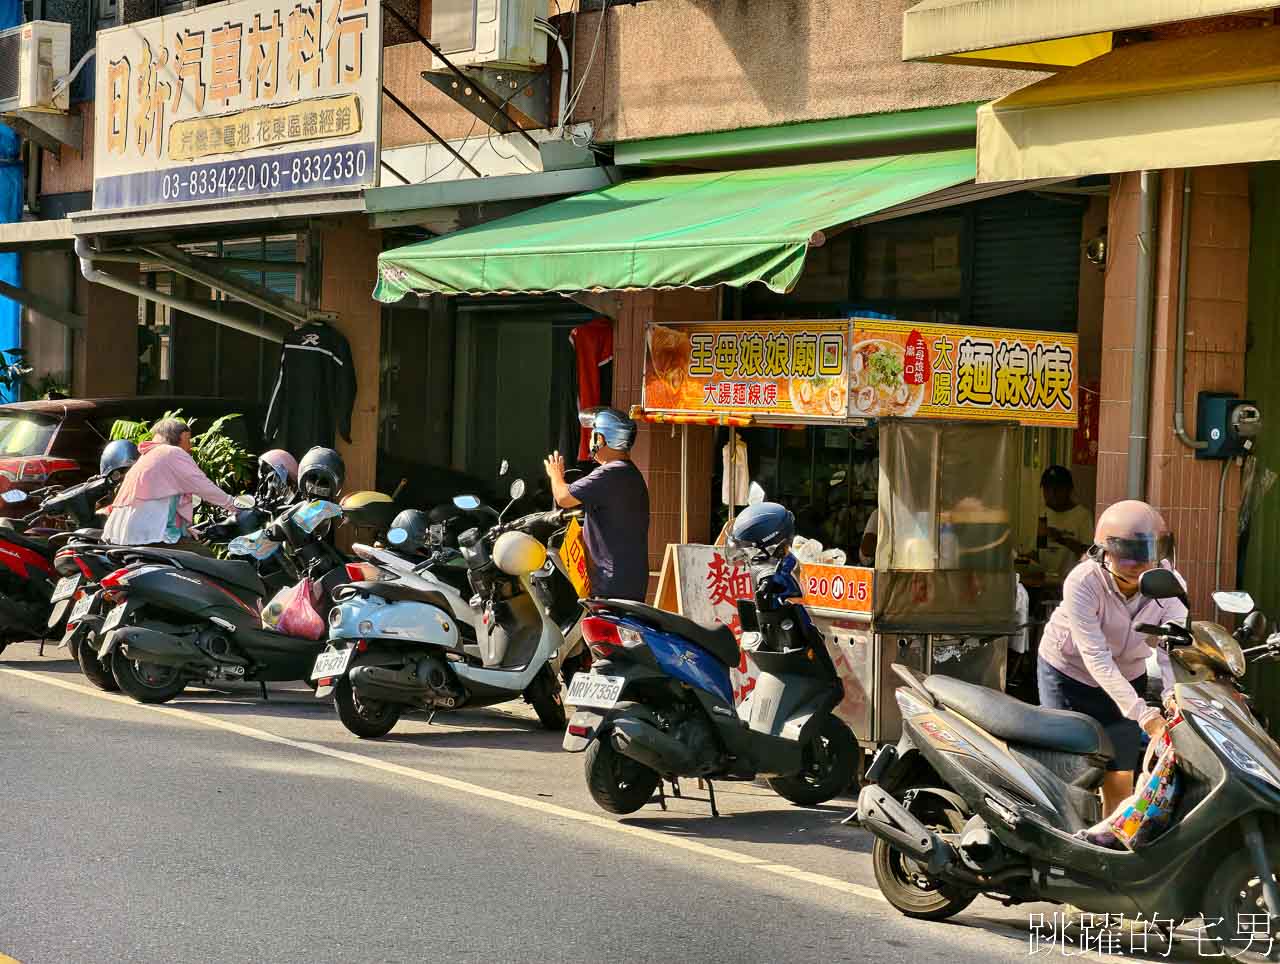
<point x="314" y="391"/>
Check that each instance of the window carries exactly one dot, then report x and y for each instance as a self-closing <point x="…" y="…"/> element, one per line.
<point x="26" y="434"/>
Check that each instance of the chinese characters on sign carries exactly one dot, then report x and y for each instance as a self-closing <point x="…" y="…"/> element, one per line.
<point x="245" y="80"/>
<point x="864" y="369"/>
<point x="1070" y="935"/>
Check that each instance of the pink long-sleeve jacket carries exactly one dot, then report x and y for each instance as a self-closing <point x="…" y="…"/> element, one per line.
<point x="168" y="470"/>
<point x="1091" y="636"/>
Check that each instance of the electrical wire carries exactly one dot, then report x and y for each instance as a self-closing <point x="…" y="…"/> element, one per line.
<point x="470" y="131"/>
<point x="591" y="59"/>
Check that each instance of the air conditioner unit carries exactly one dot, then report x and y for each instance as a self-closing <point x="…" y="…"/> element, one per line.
<point x="488" y="33"/>
<point x="33" y="57"/>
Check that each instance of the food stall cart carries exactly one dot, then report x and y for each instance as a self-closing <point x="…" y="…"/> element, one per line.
<point x="946" y="402"/>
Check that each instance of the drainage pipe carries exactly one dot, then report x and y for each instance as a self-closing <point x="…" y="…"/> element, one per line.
<point x="554" y="34"/>
<point x="1180" y="338"/>
<point x="1140" y="394"/>
<point x="99" y="277"/>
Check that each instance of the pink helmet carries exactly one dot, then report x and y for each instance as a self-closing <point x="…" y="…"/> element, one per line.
<point x="280" y="463"/>
<point x="1133" y="533"/>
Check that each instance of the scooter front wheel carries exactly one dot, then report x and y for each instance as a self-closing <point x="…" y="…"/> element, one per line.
<point x="365" y="718"/>
<point x="904" y="882"/>
<point x="830" y="764"/>
<point x="1235" y="910"/>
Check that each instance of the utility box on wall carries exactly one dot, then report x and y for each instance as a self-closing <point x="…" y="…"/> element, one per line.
<point x="1226" y="424"/>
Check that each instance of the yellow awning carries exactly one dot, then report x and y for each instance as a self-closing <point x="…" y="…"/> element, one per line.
<point x="1040" y="34"/>
<point x="1212" y="99"/>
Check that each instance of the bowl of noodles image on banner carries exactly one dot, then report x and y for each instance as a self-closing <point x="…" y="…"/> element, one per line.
<point x="877" y="381"/>
<point x="822" y="395"/>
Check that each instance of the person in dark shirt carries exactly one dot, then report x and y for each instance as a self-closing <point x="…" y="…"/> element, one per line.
<point x="616" y="501"/>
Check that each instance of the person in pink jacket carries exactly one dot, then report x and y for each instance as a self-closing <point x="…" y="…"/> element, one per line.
<point x="154" y="505"/>
<point x="1092" y="660"/>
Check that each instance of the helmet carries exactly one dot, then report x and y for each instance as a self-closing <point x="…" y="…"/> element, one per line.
<point x="608" y="427"/>
<point x="409" y="530"/>
<point x="763" y="530"/>
<point x="277" y="473"/>
<point x="1133" y="534"/>
<point x="117" y="457"/>
<point x="518" y="553"/>
<point x="321" y="473"/>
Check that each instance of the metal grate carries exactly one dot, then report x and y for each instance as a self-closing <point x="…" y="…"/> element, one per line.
<point x="10" y="48"/>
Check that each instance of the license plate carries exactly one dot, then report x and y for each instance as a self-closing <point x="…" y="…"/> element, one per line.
<point x="82" y="607"/>
<point x="592" y="689"/>
<point x="65" y="588"/>
<point x="114" y="618"/>
<point x="332" y="662"/>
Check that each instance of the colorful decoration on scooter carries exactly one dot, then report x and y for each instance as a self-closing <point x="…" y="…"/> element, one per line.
<point x="311" y="516"/>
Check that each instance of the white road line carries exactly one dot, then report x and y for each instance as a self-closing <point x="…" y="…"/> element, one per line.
<point x="461" y="786"/>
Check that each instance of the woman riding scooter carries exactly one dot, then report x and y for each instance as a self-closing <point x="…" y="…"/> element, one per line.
<point x="1092" y="658"/>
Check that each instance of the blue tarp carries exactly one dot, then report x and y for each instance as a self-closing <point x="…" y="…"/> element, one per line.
<point x="10" y="210"/>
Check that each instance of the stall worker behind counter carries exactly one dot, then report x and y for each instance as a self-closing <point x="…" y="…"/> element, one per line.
<point x="616" y="500"/>
<point x="1066" y="529"/>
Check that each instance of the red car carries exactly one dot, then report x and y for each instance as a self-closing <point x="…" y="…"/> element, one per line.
<point x="57" y="442"/>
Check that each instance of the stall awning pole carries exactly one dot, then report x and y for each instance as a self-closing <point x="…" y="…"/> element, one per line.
<point x="684" y="484"/>
<point x="733" y="472"/>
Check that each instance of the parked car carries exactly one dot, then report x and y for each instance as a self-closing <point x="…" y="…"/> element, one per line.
<point x="57" y="442"/>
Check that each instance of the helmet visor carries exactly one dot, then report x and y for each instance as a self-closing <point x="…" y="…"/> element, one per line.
<point x="1139" y="550"/>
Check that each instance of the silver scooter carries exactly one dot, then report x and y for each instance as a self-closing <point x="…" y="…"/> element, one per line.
<point x="402" y="638"/>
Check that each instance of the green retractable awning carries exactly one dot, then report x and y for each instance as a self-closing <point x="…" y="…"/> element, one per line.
<point x="691" y="230"/>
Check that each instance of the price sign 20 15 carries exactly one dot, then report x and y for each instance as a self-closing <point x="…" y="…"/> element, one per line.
<point x="838" y="587"/>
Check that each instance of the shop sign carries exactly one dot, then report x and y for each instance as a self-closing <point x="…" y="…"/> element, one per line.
<point x="945" y="371"/>
<point x="573" y="550"/>
<point x="772" y="368"/>
<point x="238" y="100"/>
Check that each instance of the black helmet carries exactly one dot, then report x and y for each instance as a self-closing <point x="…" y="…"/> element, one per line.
<point x="409" y="530"/>
<point x="608" y="426"/>
<point x="117" y="458"/>
<point x="321" y="474"/>
<point x="764" y="530"/>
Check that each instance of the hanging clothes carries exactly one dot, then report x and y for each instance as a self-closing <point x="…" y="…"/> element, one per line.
<point x="741" y="475"/>
<point x="593" y="349"/>
<point x="314" y="391"/>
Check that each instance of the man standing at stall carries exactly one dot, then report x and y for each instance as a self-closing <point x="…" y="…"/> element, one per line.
<point x="616" y="501"/>
<point x="1068" y="527"/>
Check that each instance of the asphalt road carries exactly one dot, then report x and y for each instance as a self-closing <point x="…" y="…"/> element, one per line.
<point x="222" y="828"/>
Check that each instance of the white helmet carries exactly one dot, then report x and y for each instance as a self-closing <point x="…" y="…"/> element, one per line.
<point x="518" y="554"/>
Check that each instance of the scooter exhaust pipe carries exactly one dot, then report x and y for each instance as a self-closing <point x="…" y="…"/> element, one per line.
<point x="648" y="745"/>
<point x="889" y="820"/>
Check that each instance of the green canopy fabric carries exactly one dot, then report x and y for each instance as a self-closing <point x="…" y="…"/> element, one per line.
<point x="690" y="230"/>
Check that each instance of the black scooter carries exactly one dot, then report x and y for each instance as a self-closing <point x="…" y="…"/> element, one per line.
<point x="179" y="617"/>
<point x="984" y="795"/>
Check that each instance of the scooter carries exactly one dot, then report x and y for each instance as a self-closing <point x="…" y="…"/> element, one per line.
<point x="658" y="701"/>
<point x="29" y="587"/>
<point x="984" y="794"/>
<point x="179" y="617"/>
<point x="409" y="640"/>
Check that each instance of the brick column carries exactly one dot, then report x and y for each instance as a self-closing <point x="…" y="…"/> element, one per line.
<point x="1184" y="489"/>
<point x="349" y="265"/>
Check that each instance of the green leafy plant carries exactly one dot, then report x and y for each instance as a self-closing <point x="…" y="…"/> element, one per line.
<point x="48" y="385"/>
<point x="228" y="464"/>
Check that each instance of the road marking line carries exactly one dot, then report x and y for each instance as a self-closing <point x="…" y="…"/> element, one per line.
<point x="461" y="786"/>
<point x="6" y="959"/>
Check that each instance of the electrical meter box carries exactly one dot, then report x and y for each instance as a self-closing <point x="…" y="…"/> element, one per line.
<point x="1225" y="423"/>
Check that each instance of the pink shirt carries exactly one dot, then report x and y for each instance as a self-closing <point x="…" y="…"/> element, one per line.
<point x="165" y="471"/>
<point x="1091" y="637"/>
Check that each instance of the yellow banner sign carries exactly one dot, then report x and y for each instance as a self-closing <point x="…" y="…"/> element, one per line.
<point x="574" y="553"/>
<point x="244" y="130"/>
<point x="772" y="368"/>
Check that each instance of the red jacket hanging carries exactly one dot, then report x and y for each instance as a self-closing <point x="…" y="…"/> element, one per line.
<point x="593" y="347"/>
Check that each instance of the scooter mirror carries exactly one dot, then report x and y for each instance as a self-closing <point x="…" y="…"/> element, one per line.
<point x="755" y="494"/>
<point x="13" y="496"/>
<point x="517" y="489"/>
<point x="245" y="502"/>
<point x="1233" y="602"/>
<point x="1255" y="626"/>
<point x="1160" y="584"/>
<point x="504" y="468"/>
<point x="466" y="502"/>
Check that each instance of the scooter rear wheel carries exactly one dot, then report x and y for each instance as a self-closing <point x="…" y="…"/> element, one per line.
<point x="1246" y="931"/>
<point x="905" y="884"/>
<point x="830" y="764"/>
<point x="617" y="783"/>
<point x="95" y="671"/>
<point x="366" y="719"/>
<point x="146" y="682"/>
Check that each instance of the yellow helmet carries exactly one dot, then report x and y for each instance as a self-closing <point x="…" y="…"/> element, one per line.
<point x="518" y="554"/>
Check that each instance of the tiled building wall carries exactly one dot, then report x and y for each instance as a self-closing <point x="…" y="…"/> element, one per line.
<point x="1184" y="489"/>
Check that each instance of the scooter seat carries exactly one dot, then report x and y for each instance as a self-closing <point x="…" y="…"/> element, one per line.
<point x="233" y="571"/>
<point x="719" y="641"/>
<point x="1019" y="722"/>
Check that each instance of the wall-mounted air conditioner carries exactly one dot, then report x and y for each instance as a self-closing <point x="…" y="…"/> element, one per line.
<point x="32" y="59"/>
<point x="488" y="33"/>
